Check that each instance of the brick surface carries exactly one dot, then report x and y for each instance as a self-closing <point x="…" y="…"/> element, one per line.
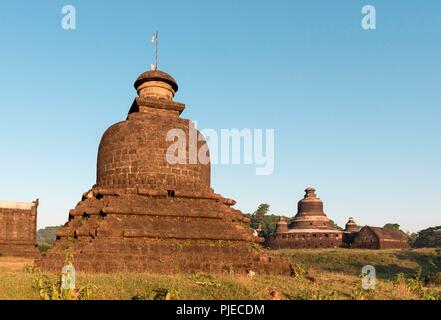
<point x="145" y="214"/>
<point x="18" y="223"/>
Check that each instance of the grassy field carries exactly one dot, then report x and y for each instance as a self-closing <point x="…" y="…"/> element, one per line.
<point x="320" y="274"/>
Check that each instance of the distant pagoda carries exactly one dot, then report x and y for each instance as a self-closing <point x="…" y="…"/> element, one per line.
<point x="310" y="213"/>
<point x="310" y="227"/>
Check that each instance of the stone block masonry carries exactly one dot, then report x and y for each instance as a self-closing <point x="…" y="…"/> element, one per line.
<point x="18" y="224"/>
<point x="145" y="214"/>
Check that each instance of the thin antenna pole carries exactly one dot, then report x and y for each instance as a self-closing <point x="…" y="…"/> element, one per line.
<point x="156" y="59"/>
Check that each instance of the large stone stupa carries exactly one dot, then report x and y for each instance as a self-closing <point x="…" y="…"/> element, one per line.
<point x="145" y="214"/>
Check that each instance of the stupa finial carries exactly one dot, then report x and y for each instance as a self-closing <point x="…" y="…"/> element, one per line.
<point x="310" y="193"/>
<point x="155" y="43"/>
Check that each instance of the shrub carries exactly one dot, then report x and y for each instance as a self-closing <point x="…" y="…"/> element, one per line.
<point x="434" y="279"/>
<point x="43" y="247"/>
<point x="298" y="271"/>
<point x="30" y="268"/>
<point x="52" y="290"/>
<point x="415" y="285"/>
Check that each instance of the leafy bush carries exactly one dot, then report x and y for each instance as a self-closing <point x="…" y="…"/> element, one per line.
<point x="44" y="247"/>
<point x="416" y="285"/>
<point x="434" y="279"/>
<point x="52" y="290"/>
<point x="30" y="268"/>
<point x="429" y="238"/>
<point x="298" y="271"/>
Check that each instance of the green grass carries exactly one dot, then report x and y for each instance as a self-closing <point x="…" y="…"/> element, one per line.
<point x="328" y="274"/>
<point x="388" y="263"/>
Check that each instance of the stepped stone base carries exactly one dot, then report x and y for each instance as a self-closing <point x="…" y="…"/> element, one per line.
<point x="138" y="230"/>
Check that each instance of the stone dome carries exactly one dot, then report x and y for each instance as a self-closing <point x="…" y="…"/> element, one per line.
<point x="133" y="153"/>
<point x="156" y="75"/>
<point x="310" y="213"/>
<point x="156" y="83"/>
<point x="351" y="225"/>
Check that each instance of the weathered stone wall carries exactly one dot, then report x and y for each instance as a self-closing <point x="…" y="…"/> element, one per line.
<point x="153" y="231"/>
<point x="305" y="240"/>
<point x="18" y="222"/>
<point x="393" y="244"/>
<point x="365" y="239"/>
<point x="379" y="238"/>
<point x="348" y="238"/>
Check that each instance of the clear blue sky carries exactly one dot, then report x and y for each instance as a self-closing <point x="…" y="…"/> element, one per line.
<point x="356" y="113"/>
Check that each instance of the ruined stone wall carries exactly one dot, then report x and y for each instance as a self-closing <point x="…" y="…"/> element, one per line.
<point x="18" y="223"/>
<point x="348" y="239"/>
<point x="393" y="244"/>
<point x="305" y="240"/>
<point x="153" y="231"/>
<point x="365" y="239"/>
